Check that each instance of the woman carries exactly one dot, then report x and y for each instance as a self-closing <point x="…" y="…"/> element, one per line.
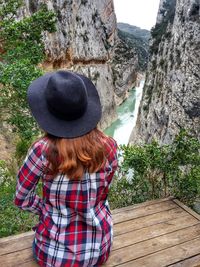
<point x="76" y="163"/>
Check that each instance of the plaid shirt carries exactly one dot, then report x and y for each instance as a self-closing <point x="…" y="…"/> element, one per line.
<point x="75" y="224"/>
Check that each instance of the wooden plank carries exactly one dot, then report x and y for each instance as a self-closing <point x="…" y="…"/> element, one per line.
<point x="23" y="241"/>
<point x="15" y="237"/>
<point x="142" y="249"/>
<point x="146" y="221"/>
<point x="17" y="258"/>
<point x="144" y="211"/>
<point x="190" y="211"/>
<point x="191" y="262"/>
<point x="29" y="264"/>
<point x="15" y="244"/>
<point x="141" y="231"/>
<point x="143" y="204"/>
<point x="167" y="256"/>
<point x="152" y="231"/>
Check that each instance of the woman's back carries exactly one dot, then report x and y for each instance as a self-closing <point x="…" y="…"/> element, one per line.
<point x="75" y="226"/>
<point x="76" y="163"/>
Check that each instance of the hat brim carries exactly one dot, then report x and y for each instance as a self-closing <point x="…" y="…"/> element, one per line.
<point x="56" y="126"/>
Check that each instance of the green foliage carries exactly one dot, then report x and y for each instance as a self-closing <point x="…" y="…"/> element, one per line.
<point x="159" y="171"/>
<point x="4" y="171"/>
<point x="22" y="147"/>
<point x="22" y="39"/>
<point x="22" y="51"/>
<point x="12" y="220"/>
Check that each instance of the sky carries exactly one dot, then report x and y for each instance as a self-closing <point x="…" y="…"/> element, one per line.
<point x="141" y="13"/>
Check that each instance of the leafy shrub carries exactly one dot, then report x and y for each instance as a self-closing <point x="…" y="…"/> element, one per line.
<point x="158" y="171"/>
<point x="4" y="172"/>
<point x="21" y="149"/>
<point x="13" y="220"/>
<point x="22" y="51"/>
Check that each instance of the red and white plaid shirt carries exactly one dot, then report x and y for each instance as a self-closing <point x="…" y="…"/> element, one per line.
<point x="75" y="224"/>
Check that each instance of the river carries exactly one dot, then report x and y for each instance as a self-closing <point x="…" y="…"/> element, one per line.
<point x="127" y="112"/>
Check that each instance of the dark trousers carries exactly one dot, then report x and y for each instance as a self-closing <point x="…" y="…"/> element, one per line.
<point x="33" y="249"/>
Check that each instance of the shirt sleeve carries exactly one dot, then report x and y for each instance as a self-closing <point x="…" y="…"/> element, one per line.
<point x="27" y="179"/>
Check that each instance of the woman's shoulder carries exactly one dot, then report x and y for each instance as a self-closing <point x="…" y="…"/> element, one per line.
<point x="111" y="142"/>
<point x="39" y="145"/>
<point x="108" y="140"/>
<point x="110" y="146"/>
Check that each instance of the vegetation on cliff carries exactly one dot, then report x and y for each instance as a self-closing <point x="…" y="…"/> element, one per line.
<point x="22" y="50"/>
<point x="136" y="39"/>
<point x="154" y="171"/>
<point x="134" y="30"/>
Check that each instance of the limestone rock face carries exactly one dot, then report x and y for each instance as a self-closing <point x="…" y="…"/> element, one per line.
<point x="101" y="75"/>
<point x="125" y="69"/>
<point x="84" y="41"/>
<point x="86" y="30"/>
<point x="171" y="98"/>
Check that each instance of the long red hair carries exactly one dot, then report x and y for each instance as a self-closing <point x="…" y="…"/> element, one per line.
<point x="75" y="156"/>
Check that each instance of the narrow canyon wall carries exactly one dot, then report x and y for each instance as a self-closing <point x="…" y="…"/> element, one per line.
<point x="125" y="69"/>
<point x="85" y="42"/>
<point x="171" y="98"/>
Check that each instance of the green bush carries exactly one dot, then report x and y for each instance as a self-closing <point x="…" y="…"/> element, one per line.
<point x="158" y="171"/>
<point x="22" y="147"/>
<point x="12" y="220"/>
<point x="23" y="50"/>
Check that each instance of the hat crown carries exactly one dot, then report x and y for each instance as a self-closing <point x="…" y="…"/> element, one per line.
<point x="65" y="104"/>
<point x="66" y="95"/>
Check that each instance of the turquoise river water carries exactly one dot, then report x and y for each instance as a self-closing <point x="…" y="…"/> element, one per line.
<point x="127" y="112"/>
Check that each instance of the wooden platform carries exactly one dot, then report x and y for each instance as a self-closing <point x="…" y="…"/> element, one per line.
<point x="152" y="234"/>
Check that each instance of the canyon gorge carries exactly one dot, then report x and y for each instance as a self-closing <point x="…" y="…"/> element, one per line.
<point x="88" y="41"/>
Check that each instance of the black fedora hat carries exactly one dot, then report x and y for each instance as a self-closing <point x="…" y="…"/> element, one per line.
<point x="65" y="104"/>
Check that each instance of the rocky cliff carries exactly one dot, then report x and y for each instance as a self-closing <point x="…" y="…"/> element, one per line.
<point x="138" y="39"/>
<point x="125" y="69"/>
<point x="85" y="41"/>
<point x="171" y="98"/>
